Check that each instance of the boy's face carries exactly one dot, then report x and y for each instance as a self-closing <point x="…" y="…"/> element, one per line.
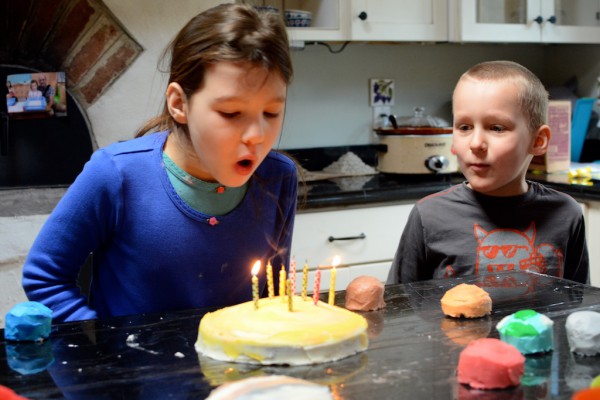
<point x="491" y="137"/>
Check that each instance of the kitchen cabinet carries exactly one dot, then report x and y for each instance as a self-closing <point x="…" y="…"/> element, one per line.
<point x="365" y="238"/>
<point x="330" y="20"/>
<point x="529" y="21"/>
<point x="399" y="20"/>
<point x="369" y="20"/>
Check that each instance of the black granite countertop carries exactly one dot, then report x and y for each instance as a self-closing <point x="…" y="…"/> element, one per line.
<point x="413" y="350"/>
<point x="385" y="187"/>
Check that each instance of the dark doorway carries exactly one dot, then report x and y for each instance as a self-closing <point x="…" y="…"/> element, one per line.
<point x="42" y="152"/>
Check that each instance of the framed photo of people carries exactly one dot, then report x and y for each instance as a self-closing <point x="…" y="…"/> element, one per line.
<point x="36" y="95"/>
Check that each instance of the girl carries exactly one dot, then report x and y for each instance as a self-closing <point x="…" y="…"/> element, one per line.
<point x="34" y="93"/>
<point x="175" y="218"/>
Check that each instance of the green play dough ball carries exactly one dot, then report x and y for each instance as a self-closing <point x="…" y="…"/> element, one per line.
<point x="525" y="314"/>
<point x="595" y="382"/>
<point x="518" y="329"/>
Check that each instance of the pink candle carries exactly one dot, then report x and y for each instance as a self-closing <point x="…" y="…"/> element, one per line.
<point x="293" y="275"/>
<point x="317" y="286"/>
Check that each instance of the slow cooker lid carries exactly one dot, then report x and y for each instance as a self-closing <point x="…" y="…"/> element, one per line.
<point x="417" y="124"/>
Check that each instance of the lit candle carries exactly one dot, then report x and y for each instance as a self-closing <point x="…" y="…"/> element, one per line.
<point x="304" y="280"/>
<point x="255" y="270"/>
<point x="270" y="285"/>
<point x="335" y="263"/>
<point x="290" y="295"/>
<point x="317" y="286"/>
<point x="282" y="279"/>
<point x="293" y="275"/>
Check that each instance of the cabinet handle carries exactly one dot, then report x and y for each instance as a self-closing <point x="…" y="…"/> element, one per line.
<point x="552" y="19"/>
<point x="361" y="236"/>
<point x="539" y="19"/>
<point x="362" y="16"/>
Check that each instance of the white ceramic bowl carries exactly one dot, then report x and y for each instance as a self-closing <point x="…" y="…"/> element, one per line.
<point x="297" y="18"/>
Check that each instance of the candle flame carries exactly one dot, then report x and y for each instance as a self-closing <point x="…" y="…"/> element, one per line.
<point x="336" y="261"/>
<point x="256" y="268"/>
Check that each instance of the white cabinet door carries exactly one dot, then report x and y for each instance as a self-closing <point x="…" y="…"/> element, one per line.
<point x="399" y="20"/>
<point x="330" y="20"/>
<point x="357" y="235"/>
<point x="344" y="275"/>
<point x="573" y="21"/>
<point x="528" y="21"/>
<point x="495" y="21"/>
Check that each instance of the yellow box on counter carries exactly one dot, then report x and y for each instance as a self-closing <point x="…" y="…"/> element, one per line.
<point x="558" y="156"/>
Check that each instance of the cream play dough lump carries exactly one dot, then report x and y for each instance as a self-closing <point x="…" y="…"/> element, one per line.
<point x="365" y="293"/>
<point x="467" y="301"/>
<point x="490" y="364"/>
<point x="583" y="332"/>
<point x="271" y="387"/>
<point x="529" y="331"/>
<point x="272" y="334"/>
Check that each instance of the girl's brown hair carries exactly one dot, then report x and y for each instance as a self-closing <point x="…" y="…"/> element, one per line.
<point x="227" y="32"/>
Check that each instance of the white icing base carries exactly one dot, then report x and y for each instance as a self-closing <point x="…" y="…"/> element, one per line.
<point x="583" y="332"/>
<point x="286" y="355"/>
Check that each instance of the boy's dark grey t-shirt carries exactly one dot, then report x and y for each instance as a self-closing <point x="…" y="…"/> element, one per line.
<point x="461" y="232"/>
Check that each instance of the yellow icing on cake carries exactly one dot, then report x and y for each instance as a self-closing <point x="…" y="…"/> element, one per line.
<point x="272" y="334"/>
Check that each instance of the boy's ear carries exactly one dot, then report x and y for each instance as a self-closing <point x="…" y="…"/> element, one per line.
<point x="177" y="103"/>
<point x="541" y="141"/>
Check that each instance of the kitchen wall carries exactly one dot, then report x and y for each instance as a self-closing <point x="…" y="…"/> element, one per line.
<point x="328" y="100"/>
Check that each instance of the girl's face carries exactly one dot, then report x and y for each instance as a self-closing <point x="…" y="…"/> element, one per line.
<point x="33" y="86"/>
<point x="233" y="121"/>
<point x="491" y="137"/>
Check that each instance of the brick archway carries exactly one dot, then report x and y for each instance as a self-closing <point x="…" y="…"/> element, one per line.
<point x="80" y="37"/>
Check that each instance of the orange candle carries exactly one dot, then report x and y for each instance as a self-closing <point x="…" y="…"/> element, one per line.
<point x="270" y="285"/>
<point x="317" y="286"/>
<point x="254" y="271"/>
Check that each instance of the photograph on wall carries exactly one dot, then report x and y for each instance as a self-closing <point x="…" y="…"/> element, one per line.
<point x="36" y="95"/>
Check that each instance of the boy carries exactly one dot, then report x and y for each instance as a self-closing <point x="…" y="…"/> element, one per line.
<point x="496" y="221"/>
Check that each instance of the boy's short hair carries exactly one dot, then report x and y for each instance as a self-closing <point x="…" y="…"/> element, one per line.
<point x="532" y="95"/>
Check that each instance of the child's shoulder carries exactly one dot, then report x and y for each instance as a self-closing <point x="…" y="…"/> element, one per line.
<point x="451" y="194"/>
<point x="279" y="161"/>
<point x="142" y="144"/>
<point x="543" y="193"/>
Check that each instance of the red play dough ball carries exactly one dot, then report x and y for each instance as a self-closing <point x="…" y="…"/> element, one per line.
<point x="490" y="364"/>
<point x="9" y="394"/>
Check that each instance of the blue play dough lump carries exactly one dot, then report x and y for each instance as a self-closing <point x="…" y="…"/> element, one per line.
<point x="28" y="321"/>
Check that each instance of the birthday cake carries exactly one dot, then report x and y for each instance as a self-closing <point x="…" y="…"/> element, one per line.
<point x="527" y="330"/>
<point x="271" y="334"/>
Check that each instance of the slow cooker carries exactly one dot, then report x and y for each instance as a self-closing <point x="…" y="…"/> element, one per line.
<point x="419" y="144"/>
